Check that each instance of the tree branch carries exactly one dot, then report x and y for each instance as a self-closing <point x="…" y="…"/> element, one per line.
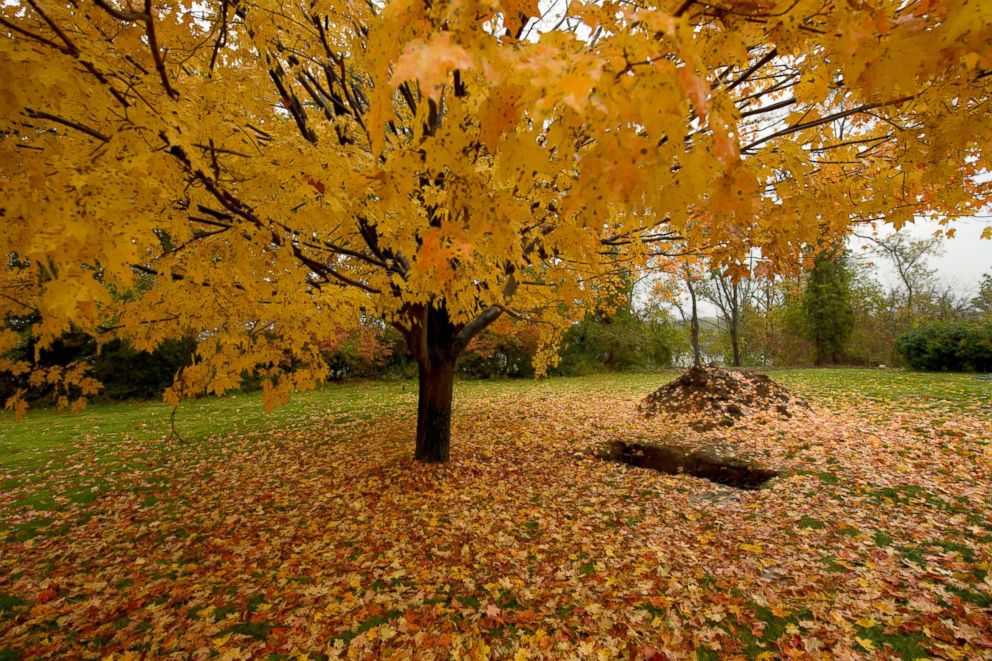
<point x="93" y="133"/>
<point x="824" y="120"/>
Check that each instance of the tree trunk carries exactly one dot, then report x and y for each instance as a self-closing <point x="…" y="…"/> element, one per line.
<point x="697" y="354"/>
<point x="434" y="411"/>
<point x="436" y="343"/>
<point x="735" y="342"/>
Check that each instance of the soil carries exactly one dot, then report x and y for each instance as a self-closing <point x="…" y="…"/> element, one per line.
<point x="674" y="460"/>
<point x="707" y="398"/>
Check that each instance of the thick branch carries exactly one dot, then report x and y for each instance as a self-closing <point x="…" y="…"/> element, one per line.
<point x="476" y="326"/>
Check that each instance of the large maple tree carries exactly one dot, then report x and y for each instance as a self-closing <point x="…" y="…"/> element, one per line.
<point x="268" y="174"/>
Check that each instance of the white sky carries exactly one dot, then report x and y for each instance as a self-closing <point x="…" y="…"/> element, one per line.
<point x="966" y="256"/>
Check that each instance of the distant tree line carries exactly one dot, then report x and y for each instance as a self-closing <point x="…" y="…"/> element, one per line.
<point x="838" y="312"/>
<point x="615" y="337"/>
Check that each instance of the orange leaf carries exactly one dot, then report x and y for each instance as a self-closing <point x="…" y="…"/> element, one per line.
<point x="430" y="63"/>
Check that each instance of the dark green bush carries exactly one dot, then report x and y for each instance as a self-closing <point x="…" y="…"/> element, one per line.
<point x="130" y="374"/>
<point x="619" y="343"/>
<point x="948" y="346"/>
<point x="497" y="355"/>
<point x="124" y="372"/>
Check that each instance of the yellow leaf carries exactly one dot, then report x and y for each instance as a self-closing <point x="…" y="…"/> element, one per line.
<point x="865" y="643"/>
<point x="515" y="12"/>
<point x="697" y="90"/>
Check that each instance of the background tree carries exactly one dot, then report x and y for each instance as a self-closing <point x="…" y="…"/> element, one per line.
<point x="618" y="340"/>
<point x="685" y="279"/>
<point x="283" y="171"/>
<point x="826" y="305"/>
<point x="767" y="330"/>
<point x="505" y="349"/>
<point x="910" y="260"/>
<point x="982" y="301"/>
<point x="732" y="294"/>
<point x="876" y="318"/>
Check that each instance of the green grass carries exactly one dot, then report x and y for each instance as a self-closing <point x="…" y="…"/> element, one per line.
<point x="41" y="442"/>
<point x="905" y="645"/>
<point x="964" y="390"/>
<point x="45" y="435"/>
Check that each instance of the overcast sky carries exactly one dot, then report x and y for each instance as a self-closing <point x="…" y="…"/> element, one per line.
<point x="966" y="256"/>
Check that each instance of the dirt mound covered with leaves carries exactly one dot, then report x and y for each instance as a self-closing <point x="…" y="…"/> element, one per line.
<point x="708" y="397"/>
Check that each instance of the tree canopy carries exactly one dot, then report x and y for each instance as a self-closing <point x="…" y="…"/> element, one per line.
<point x="274" y="172"/>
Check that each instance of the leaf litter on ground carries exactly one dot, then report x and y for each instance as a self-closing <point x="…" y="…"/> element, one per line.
<point x="705" y="398"/>
<point x="327" y="540"/>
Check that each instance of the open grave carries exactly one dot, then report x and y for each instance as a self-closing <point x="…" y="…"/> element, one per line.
<point x="673" y="460"/>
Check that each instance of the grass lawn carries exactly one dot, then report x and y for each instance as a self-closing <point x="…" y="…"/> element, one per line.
<point x="309" y="530"/>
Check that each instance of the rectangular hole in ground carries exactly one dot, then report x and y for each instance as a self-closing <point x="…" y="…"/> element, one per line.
<point x="677" y="461"/>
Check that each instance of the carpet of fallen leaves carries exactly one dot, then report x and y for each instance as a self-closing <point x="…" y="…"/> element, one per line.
<point x="326" y="540"/>
<point x="705" y="398"/>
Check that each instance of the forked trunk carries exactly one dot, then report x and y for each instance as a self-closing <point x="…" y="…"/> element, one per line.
<point x="436" y="343"/>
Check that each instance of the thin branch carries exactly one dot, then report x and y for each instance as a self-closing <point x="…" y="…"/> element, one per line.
<point x="156" y="53"/>
<point x="145" y="17"/>
<point x="824" y="120"/>
<point x="770" y="107"/>
<point x="765" y="59"/>
<point x="93" y="133"/>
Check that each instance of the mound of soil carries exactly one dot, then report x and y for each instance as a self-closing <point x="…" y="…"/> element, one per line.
<point x="708" y="397"/>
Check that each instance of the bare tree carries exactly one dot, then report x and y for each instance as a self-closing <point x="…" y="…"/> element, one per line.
<point x="769" y="297"/>
<point x="909" y="257"/>
<point x="982" y="302"/>
<point x="733" y="297"/>
<point x="697" y="354"/>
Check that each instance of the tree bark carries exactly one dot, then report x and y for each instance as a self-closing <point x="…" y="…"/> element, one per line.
<point x="436" y="343"/>
<point x="434" y="411"/>
<point x="697" y="354"/>
<point x="735" y="341"/>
